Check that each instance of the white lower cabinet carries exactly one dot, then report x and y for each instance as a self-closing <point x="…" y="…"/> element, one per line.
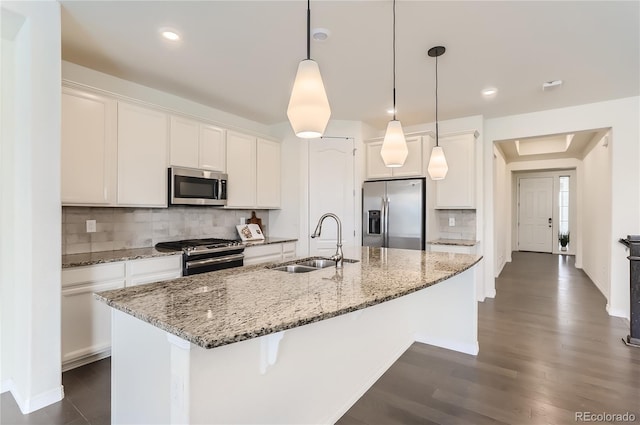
<point x="150" y="270"/>
<point x="269" y="253"/>
<point x="458" y="249"/>
<point x="86" y="322"/>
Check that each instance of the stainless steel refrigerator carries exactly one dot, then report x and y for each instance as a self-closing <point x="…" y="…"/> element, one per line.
<point x="393" y="213"/>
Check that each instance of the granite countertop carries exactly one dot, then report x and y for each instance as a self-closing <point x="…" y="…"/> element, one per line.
<point x="457" y="242"/>
<point x="227" y="306"/>
<point x="269" y="240"/>
<point x="91" y="258"/>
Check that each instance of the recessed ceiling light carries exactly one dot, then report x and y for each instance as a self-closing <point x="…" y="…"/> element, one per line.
<point x="169" y="34"/>
<point x="489" y="92"/>
<point x="320" y="34"/>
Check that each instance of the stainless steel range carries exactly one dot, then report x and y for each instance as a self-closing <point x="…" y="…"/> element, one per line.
<point x="206" y="255"/>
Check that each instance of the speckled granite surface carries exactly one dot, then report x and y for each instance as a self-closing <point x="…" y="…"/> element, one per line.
<point x="227" y="306"/>
<point x="268" y="241"/>
<point x="457" y="242"/>
<point x="91" y="258"/>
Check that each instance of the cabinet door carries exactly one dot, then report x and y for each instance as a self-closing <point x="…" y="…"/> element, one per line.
<point x="457" y="190"/>
<point x="142" y="156"/>
<point x="86" y="322"/>
<point x="241" y="168"/>
<point x="262" y="254"/>
<point x="88" y="157"/>
<point x="212" y="148"/>
<point x="268" y="174"/>
<point x="413" y="164"/>
<point x="184" y="140"/>
<point x="375" y="165"/>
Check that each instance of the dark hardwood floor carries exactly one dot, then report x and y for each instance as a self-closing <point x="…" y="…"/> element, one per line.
<point x="87" y="400"/>
<point x="548" y="349"/>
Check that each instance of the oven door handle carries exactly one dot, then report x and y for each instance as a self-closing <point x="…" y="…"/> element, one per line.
<point x="213" y="250"/>
<point x="216" y="260"/>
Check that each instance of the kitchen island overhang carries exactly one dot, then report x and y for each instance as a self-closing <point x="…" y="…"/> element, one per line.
<point x="307" y="346"/>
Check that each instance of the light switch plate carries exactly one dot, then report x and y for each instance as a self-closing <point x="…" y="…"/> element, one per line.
<point x="243" y="220"/>
<point x="452" y="221"/>
<point x="91" y="226"/>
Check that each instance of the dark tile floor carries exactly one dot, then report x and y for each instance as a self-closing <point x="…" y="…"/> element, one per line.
<point x="87" y="400"/>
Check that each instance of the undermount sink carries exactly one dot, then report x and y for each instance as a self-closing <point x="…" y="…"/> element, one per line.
<point x="318" y="263"/>
<point x="307" y="265"/>
<point x="295" y="268"/>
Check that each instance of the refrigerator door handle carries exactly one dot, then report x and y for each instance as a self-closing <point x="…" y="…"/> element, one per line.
<point x="386" y="222"/>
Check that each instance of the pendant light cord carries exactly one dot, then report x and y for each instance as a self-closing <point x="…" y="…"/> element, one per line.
<point x="436" y="101"/>
<point x="394" y="60"/>
<point x="308" y="29"/>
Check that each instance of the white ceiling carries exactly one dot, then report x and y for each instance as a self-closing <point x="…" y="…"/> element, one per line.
<point x="241" y="56"/>
<point x="581" y="144"/>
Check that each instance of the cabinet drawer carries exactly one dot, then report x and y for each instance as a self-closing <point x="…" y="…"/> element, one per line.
<point x="153" y="270"/>
<point x="95" y="273"/>
<point x="155" y="265"/>
<point x="458" y="249"/>
<point x="262" y="250"/>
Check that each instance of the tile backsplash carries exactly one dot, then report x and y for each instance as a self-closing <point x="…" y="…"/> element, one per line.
<point x="465" y="227"/>
<point x="122" y="228"/>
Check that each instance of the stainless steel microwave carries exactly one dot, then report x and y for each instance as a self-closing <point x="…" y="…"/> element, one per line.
<point x="191" y="186"/>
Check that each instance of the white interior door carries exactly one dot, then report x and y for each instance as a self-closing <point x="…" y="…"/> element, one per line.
<point x="331" y="189"/>
<point x="535" y="212"/>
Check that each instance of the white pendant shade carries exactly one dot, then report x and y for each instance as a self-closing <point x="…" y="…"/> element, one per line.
<point x="437" y="164"/>
<point x="308" y="109"/>
<point x="394" y="148"/>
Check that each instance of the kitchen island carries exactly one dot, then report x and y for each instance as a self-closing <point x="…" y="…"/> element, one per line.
<point x="257" y="345"/>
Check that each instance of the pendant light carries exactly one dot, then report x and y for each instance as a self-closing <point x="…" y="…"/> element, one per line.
<point x="437" y="163"/>
<point x="394" y="148"/>
<point x="308" y="109"/>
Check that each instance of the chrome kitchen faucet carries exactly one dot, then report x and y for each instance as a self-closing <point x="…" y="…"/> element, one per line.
<point x="338" y="256"/>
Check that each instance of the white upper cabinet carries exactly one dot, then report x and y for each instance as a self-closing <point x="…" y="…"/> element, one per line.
<point x="253" y="166"/>
<point x="212" y="148"/>
<point x="241" y="168"/>
<point x="412" y="167"/>
<point x="268" y="174"/>
<point x="196" y="145"/>
<point x="185" y="140"/>
<point x="142" y="156"/>
<point x="88" y="160"/>
<point x="457" y="189"/>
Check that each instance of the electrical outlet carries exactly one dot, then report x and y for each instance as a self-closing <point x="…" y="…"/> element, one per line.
<point x="91" y="226"/>
<point x="243" y="220"/>
<point x="452" y="221"/>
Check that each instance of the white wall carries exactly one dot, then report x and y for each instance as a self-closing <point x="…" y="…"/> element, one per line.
<point x="32" y="217"/>
<point x="621" y="116"/>
<point x="596" y="217"/>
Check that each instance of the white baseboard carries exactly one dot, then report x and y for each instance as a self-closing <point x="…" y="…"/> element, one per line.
<point x="72" y="364"/>
<point x="618" y="312"/>
<point x="38" y="401"/>
<point x="491" y="292"/>
<point x="467" y="348"/>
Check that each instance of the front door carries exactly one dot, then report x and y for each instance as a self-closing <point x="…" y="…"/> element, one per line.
<point x="535" y="212"/>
